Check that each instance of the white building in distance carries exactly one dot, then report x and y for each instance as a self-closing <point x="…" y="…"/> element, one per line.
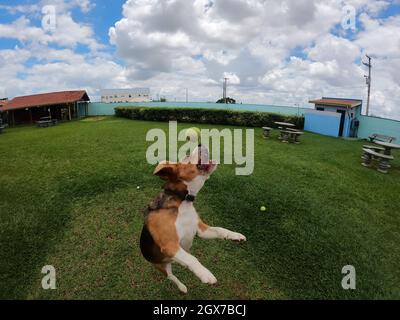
<point x="125" y="95"/>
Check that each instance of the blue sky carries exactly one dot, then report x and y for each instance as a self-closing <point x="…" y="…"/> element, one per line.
<point x="103" y="15"/>
<point x="274" y="52"/>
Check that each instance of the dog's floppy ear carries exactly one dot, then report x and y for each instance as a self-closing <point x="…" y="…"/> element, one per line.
<point x="166" y="170"/>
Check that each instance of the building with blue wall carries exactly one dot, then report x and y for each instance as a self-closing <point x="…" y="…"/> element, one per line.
<point x="334" y="117"/>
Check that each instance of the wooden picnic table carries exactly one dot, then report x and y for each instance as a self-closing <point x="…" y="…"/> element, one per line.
<point x="46" y="122"/>
<point x="388" y="146"/>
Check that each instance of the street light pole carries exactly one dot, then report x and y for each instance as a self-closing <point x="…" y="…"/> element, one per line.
<point x="225" y="89"/>
<point x="368" y="79"/>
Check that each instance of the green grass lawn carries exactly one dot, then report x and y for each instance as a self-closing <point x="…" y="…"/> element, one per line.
<point x="69" y="198"/>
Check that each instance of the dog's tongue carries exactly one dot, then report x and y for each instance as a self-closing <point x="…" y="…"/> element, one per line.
<point x="204" y="156"/>
<point x="208" y="167"/>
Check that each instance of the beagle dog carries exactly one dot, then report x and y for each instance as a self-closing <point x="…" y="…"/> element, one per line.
<point x="171" y="222"/>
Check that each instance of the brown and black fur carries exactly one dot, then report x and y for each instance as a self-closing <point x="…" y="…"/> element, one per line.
<point x="171" y="222"/>
<point x="159" y="241"/>
<point x="166" y="203"/>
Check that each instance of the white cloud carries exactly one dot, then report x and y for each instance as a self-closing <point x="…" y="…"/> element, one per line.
<point x="282" y="52"/>
<point x="67" y="33"/>
<point x="253" y="40"/>
<point x="61" y="5"/>
<point x="45" y="61"/>
<point x="232" y="78"/>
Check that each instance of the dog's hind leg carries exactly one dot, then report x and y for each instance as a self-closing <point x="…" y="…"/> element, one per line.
<point x="170" y="276"/>
<point x="161" y="268"/>
<point x="188" y="261"/>
<point x="166" y="269"/>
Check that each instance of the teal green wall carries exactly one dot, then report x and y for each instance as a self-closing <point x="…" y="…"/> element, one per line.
<point x="371" y="125"/>
<point x="368" y="125"/>
<point x="103" y="109"/>
<point x="81" y="110"/>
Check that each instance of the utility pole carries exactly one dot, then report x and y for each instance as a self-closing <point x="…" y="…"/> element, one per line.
<point x="368" y="79"/>
<point x="225" y="89"/>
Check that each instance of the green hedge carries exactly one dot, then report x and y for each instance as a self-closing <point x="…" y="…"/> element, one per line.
<point x="207" y="116"/>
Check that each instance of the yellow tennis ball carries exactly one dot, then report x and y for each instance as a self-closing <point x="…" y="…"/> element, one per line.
<point x="193" y="134"/>
<point x="263" y="209"/>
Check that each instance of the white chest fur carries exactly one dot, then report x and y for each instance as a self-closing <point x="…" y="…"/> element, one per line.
<point x="186" y="224"/>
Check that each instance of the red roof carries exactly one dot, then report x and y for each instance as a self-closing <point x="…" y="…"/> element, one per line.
<point x="46" y="99"/>
<point x="348" y="103"/>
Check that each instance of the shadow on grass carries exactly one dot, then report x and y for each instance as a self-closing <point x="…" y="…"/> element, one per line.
<point x="25" y="248"/>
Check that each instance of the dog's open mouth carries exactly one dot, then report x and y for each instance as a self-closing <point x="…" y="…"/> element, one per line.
<point x="204" y="163"/>
<point x="207" y="168"/>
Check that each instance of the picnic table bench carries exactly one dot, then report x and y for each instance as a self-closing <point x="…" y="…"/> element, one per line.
<point x="381" y="137"/>
<point x="383" y="159"/>
<point x="266" y="132"/>
<point x="375" y="148"/>
<point x="291" y="135"/>
<point x="388" y="146"/>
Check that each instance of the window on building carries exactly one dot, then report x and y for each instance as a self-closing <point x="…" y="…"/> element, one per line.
<point x="320" y="108"/>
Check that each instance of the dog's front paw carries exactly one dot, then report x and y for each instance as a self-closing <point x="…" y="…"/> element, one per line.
<point x="207" y="277"/>
<point x="182" y="288"/>
<point x="234" y="236"/>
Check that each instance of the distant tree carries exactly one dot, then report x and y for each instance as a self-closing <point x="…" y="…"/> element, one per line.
<point x="228" y="100"/>
<point x="163" y="99"/>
